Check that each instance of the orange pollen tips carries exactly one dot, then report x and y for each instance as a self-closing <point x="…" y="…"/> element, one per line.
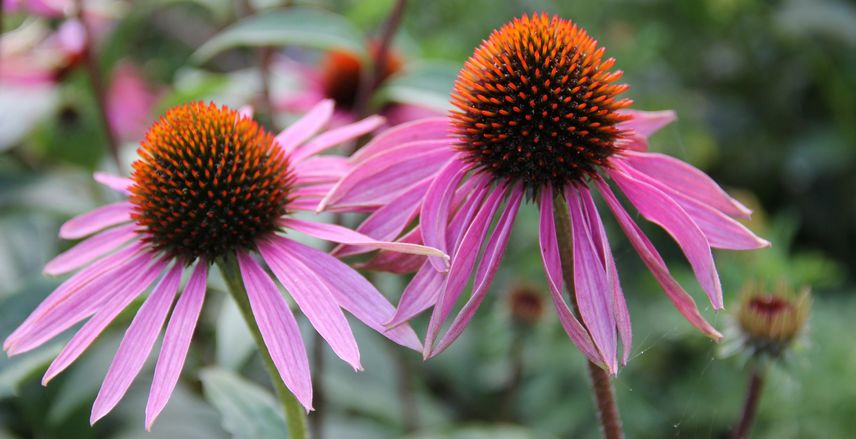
<point x="208" y="181"/>
<point x="537" y="103"/>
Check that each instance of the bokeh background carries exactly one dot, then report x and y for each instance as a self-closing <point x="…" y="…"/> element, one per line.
<point x="765" y="91"/>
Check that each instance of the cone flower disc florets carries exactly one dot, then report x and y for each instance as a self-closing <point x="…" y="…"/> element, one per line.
<point x="208" y="182"/>
<point x="537" y="103"/>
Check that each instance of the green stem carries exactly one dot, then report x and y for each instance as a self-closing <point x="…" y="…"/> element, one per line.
<point x="295" y="416"/>
<point x="604" y="395"/>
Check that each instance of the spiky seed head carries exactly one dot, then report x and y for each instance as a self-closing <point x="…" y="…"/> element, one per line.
<point x="538" y="103"/>
<point x="208" y="181"/>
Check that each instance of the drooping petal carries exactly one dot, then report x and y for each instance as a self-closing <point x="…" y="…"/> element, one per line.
<point x="601" y="243"/>
<point x="336" y="137"/>
<point x="592" y="287"/>
<point x="720" y="230"/>
<point x="686" y="179"/>
<point x="315" y="300"/>
<point x="352" y="291"/>
<point x="660" y="209"/>
<point x="420" y="294"/>
<point x="89" y="250"/>
<point x="95" y="220"/>
<point x="462" y="266"/>
<point x="343" y="235"/>
<point x="387" y="223"/>
<point x="176" y="342"/>
<point x="278" y="328"/>
<point x="434" y="215"/>
<point x="425" y="129"/>
<point x="682" y="301"/>
<point x="306" y="126"/>
<point x="118" y="184"/>
<point x="646" y="123"/>
<point x="62" y="311"/>
<point x="486" y="271"/>
<point x="378" y="181"/>
<point x="90" y="331"/>
<point x="136" y="344"/>
<point x="550" y="257"/>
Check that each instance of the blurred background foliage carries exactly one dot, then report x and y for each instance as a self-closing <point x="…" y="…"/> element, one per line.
<point x="765" y="91"/>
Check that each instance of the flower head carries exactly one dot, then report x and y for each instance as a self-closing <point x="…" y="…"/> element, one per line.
<point x="339" y="75"/>
<point x="212" y="185"/>
<point x="769" y="322"/>
<point x="537" y="103"/>
<point x="537" y="112"/>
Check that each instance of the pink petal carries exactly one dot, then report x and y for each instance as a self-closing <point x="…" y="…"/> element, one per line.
<point x="95" y="220"/>
<point x="376" y="182"/>
<point x="64" y="310"/>
<point x="337" y="136"/>
<point x="551" y="259"/>
<point x="306" y="126"/>
<point x="720" y="230"/>
<point x="434" y="216"/>
<point x="426" y="129"/>
<point x="322" y="169"/>
<point x="688" y="180"/>
<point x="136" y="344"/>
<point x="462" y="266"/>
<point x="90" y="331"/>
<point x="601" y="243"/>
<point x="176" y="342"/>
<point x="646" y="123"/>
<point x="387" y="223"/>
<point x="660" y="209"/>
<point x="682" y="301"/>
<point x="246" y="111"/>
<point x="352" y="291"/>
<point x="420" y="294"/>
<point x="278" y="328"/>
<point x="592" y="287"/>
<point x="118" y="184"/>
<point x="395" y="262"/>
<point x="343" y="235"/>
<point x="486" y="271"/>
<point x="315" y="300"/>
<point x="89" y="250"/>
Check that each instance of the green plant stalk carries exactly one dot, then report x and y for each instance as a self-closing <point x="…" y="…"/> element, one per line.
<point x="750" y="406"/>
<point x="604" y="395"/>
<point x="295" y="416"/>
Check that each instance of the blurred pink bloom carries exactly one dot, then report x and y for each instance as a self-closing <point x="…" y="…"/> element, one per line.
<point x="130" y="101"/>
<point x="210" y="184"/>
<point x="338" y="76"/>
<point x="32" y="55"/>
<point x="540" y="117"/>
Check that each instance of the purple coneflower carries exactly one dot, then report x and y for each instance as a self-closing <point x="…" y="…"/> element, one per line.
<point x="538" y="117"/>
<point x="211" y="184"/>
<point x="338" y="75"/>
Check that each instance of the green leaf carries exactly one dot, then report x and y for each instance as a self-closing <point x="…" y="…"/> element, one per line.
<point x="233" y="340"/>
<point x="428" y="85"/>
<point x="297" y="27"/>
<point x="248" y="410"/>
<point x="19" y="369"/>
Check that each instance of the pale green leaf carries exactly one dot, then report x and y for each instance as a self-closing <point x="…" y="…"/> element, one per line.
<point x="294" y="27"/>
<point x="248" y="411"/>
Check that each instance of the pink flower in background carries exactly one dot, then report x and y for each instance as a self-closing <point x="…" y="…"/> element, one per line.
<point x="130" y="101"/>
<point x="33" y="55"/>
<point x="537" y="117"/>
<point x="338" y="76"/>
<point x="210" y="184"/>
